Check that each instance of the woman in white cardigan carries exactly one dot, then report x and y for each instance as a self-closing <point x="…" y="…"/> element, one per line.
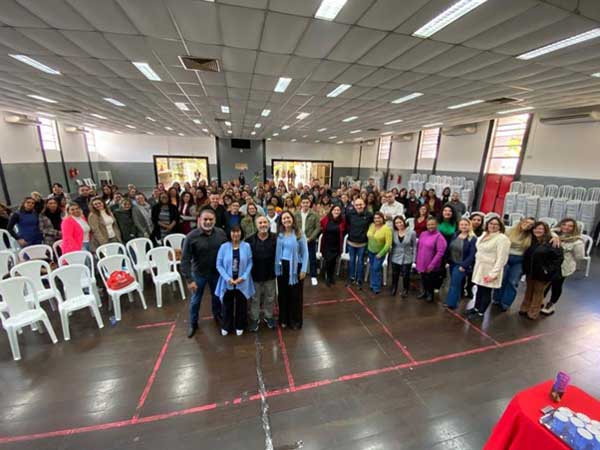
<point x="493" y="248"/>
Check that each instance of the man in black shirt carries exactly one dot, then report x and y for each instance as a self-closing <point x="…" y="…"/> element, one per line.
<point x="219" y="210"/>
<point x="199" y="265"/>
<point x="84" y="199"/>
<point x="263" y="245"/>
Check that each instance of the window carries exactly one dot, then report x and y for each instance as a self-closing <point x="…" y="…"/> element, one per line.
<point x="385" y="143"/>
<point x="170" y="169"/>
<point x="428" y="147"/>
<point x="48" y="134"/>
<point x="90" y="141"/>
<point x="507" y="144"/>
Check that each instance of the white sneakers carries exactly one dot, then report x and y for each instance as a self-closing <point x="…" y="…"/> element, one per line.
<point x="225" y="332"/>
<point x="314" y="281"/>
<point x="239" y="332"/>
<point x="548" y="310"/>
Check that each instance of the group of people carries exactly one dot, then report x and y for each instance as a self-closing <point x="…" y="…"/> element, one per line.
<point x="251" y="244"/>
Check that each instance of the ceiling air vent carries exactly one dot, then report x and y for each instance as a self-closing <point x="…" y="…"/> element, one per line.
<point x="503" y="100"/>
<point x="374" y="130"/>
<point x="202" y="64"/>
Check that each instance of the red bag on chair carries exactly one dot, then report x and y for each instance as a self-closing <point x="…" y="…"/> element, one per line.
<point x="119" y="279"/>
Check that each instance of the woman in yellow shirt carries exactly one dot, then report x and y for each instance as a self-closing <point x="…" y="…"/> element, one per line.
<point x="379" y="237"/>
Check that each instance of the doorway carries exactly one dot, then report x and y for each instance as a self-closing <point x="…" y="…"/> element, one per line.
<point x="302" y="171"/>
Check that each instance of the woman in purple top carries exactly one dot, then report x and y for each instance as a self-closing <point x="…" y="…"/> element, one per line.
<point x="430" y="251"/>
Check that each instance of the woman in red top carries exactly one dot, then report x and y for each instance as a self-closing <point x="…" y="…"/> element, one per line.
<point x="186" y="212"/>
<point x="333" y="229"/>
<point x="421" y="220"/>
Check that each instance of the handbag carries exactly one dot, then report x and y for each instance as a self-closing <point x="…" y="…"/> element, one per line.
<point x="119" y="279"/>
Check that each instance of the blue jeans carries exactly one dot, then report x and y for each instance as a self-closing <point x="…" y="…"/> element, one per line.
<point x="376" y="272"/>
<point x="513" y="270"/>
<point x="355" y="265"/>
<point x="201" y="282"/>
<point x="455" y="290"/>
<point x="312" y="258"/>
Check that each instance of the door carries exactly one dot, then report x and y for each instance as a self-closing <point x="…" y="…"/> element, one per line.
<point x="496" y="187"/>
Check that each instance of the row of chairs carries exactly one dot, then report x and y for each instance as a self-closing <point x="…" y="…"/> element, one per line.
<point x="73" y="284"/>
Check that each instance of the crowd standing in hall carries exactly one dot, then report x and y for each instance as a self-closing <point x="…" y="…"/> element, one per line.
<point x="254" y="245"/>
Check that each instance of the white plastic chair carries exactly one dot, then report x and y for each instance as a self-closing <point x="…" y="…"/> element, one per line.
<point x="113" y="263"/>
<point x="7" y="242"/>
<point x="57" y="249"/>
<point x="138" y="249"/>
<point x="551" y="222"/>
<point x="581" y="226"/>
<point x="175" y="241"/>
<point x="384" y="267"/>
<point x="589" y="243"/>
<point x="345" y="256"/>
<point x="75" y="297"/>
<point x="164" y="271"/>
<point x="319" y="253"/>
<point x="40" y="251"/>
<point x="18" y="311"/>
<point x="110" y="249"/>
<point x="7" y="262"/>
<point x="87" y="259"/>
<point x="37" y="271"/>
<point x="411" y="223"/>
<point x="514" y="218"/>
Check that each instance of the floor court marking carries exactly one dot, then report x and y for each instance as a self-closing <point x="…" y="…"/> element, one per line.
<point x="286" y="360"/>
<point x="136" y="420"/>
<point x="472" y="326"/>
<point x="154" y="325"/>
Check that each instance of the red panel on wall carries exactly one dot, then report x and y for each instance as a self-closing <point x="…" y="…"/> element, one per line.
<point x="496" y="187"/>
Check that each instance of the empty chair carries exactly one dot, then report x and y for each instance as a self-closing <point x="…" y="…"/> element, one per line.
<point x="83" y="257"/>
<point x="110" y="249"/>
<point x="36" y="271"/>
<point x="551" y="222"/>
<point x="345" y="256"/>
<point x="175" y="241"/>
<point x="514" y="218"/>
<point x="384" y="267"/>
<point x="74" y="297"/>
<point x="18" y="311"/>
<point x="7" y="262"/>
<point x="589" y="243"/>
<point x="410" y="222"/>
<point x="137" y="250"/>
<point x="106" y="267"/>
<point x="40" y="251"/>
<point x="7" y="242"/>
<point x="163" y="270"/>
<point x="57" y="249"/>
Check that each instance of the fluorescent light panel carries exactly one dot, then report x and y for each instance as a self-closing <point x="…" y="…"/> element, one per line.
<point x="320" y="130"/>
<point x="407" y="98"/>
<point x="169" y="128"/>
<point x="253" y="133"/>
<point x="285" y="127"/>
<point x="339" y="142"/>
<point x="329" y="9"/>
<point x="510" y="111"/>
<point x="355" y="131"/>
<point x="450" y="15"/>
<point x="33" y="63"/>
<point x="228" y="123"/>
<point x="205" y="130"/>
<point x="257" y="125"/>
<point x="293" y="140"/>
<point x="98" y="116"/>
<point x="180" y="134"/>
<point x="114" y="101"/>
<point x="437" y="124"/>
<point x="338" y="90"/>
<point x="596" y="75"/>
<point x="464" y="105"/>
<point x="387" y="132"/>
<point x="225" y="109"/>
<point x="151" y="119"/>
<point x="282" y="84"/>
<point x="43" y="99"/>
<point x="392" y="122"/>
<point x="275" y="134"/>
<point x="592" y="34"/>
<point x="332" y="137"/>
<point x="182" y="106"/>
<point x="350" y="119"/>
<point x="197" y="121"/>
<point x="265" y="112"/>
<point x="130" y="126"/>
<point x="302" y="115"/>
<point x="146" y="70"/>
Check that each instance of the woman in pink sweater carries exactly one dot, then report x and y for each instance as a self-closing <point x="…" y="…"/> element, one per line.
<point x="75" y="230"/>
<point x="430" y="252"/>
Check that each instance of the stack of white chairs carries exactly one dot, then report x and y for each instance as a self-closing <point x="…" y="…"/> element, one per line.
<point x="551" y="190"/>
<point x="544" y="205"/>
<point x="510" y="203"/>
<point x="550" y="221"/>
<point x="517" y="187"/>
<point x="538" y="190"/>
<point x="558" y="208"/>
<point x="589" y="244"/>
<point x="521" y="205"/>
<point x="466" y="196"/>
<point x="572" y="209"/>
<point x="579" y="193"/>
<point x="514" y="218"/>
<point x="593" y="195"/>
<point x="566" y="191"/>
<point x="529" y="188"/>
<point x="589" y="212"/>
<point x="531" y="209"/>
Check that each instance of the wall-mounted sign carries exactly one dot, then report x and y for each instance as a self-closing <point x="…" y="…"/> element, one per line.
<point x="241" y="166"/>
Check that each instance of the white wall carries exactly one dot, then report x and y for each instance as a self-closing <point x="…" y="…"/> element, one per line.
<point x="343" y="155"/>
<point x="404" y="153"/>
<point x="19" y="143"/>
<point x="567" y="151"/>
<point x="462" y="153"/>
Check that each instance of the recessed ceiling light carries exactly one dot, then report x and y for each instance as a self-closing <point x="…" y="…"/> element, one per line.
<point x="282" y="84"/>
<point x="268" y="139"/>
<point x="46" y="114"/>
<point x="130" y="126"/>
<point x="229" y="132"/>
<point x="257" y="125"/>
<point x="253" y="133"/>
<point x="275" y="134"/>
<point x="44" y="99"/>
<point x="392" y="122"/>
<point x="464" y="105"/>
<point x="225" y="109"/>
<point x="118" y="132"/>
<point x="350" y="119"/>
<point x="320" y="130"/>
<point x="450" y="15"/>
<point x="317" y="141"/>
<point x="265" y="112"/>
<point x="338" y="90"/>
<point x="510" y="111"/>
<point x="592" y="34"/>
<point x="407" y="98"/>
<point x="355" y="131"/>
<point x="332" y="137"/>
<point x="437" y="124"/>
<point x="182" y="106"/>
<point x="302" y="115"/>
<point x="169" y="128"/>
<point x="387" y="133"/>
<point x="205" y="130"/>
<point x="150" y="119"/>
<point x="596" y="75"/>
<point x="180" y="134"/>
<point x="339" y="142"/>
<point x="197" y="121"/>
<point x="150" y="133"/>
<point x="329" y="9"/>
<point x="305" y="136"/>
<point x="227" y="123"/>
<point x="285" y="127"/>
<point x="114" y="102"/>
<point x="98" y="116"/>
<point x="293" y="140"/>
<point x="33" y="63"/>
<point x="146" y="70"/>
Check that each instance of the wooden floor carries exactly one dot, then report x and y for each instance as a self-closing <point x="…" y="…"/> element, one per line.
<point x="365" y="372"/>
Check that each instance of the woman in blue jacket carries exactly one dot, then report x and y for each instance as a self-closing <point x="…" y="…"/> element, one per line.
<point x="291" y="261"/>
<point x="461" y="256"/>
<point x="235" y="286"/>
<point x="27" y="222"/>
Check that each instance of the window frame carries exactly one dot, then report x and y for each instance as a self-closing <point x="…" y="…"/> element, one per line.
<point x="46" y="126"/>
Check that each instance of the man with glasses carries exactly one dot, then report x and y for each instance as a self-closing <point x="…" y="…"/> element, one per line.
<point x="391" y="208"/>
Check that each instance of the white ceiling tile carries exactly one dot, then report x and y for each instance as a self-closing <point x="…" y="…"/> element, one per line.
<point x="312" y="87"/>
<point x="353" y="10"/>
<point x="447" y="59"/>
<point x="198" y="21"/>
<point x="282" y="32"/>
<point x="58" y="14"/>
<point x="271" y="64"/>
<point x="328" y="70"/>
<point x="354" y="73"/>
<point x="213" y="78"/>
<point x="94" y="43"/>
<point x="299" y="67"/>
<point x="54" y="41"/>
<point x="106" y="16"/>
<point x="264" y="83"/>
<point x="306" y="8"/>
<point x="238" y="60"/>
<point x="15" y="15"/>
<point x="379" y="77"/>
<point x="238" y="80"/>
<point x="590" y="8"/>
<point x="418" y="54"/>
<point x="389" y="14"/>
<point x="150" y="17"/>
<point x="241" y="27"/>
<point x="470" y="65"/>
<point x="260" y="4"/>
<point x="17" y="41"/>
<point x="320" y="37"/>
<point x="403" y="80"/>
<point x="92" y="66"/>
<point x="355" y="44"/>
<point x="388" y="49"/>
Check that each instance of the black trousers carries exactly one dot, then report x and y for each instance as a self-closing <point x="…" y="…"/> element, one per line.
<point x="397" y="271"/>
<point x="557" y="287"/>
<point x="483" y="298"/>
<point x="330" y="260"/>
<point x="289" y="298"/>
<point x="428" y="282"/>
<point x="235" y="310"/>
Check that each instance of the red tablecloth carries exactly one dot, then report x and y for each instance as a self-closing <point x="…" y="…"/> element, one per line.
<point x="519" y="427"/>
